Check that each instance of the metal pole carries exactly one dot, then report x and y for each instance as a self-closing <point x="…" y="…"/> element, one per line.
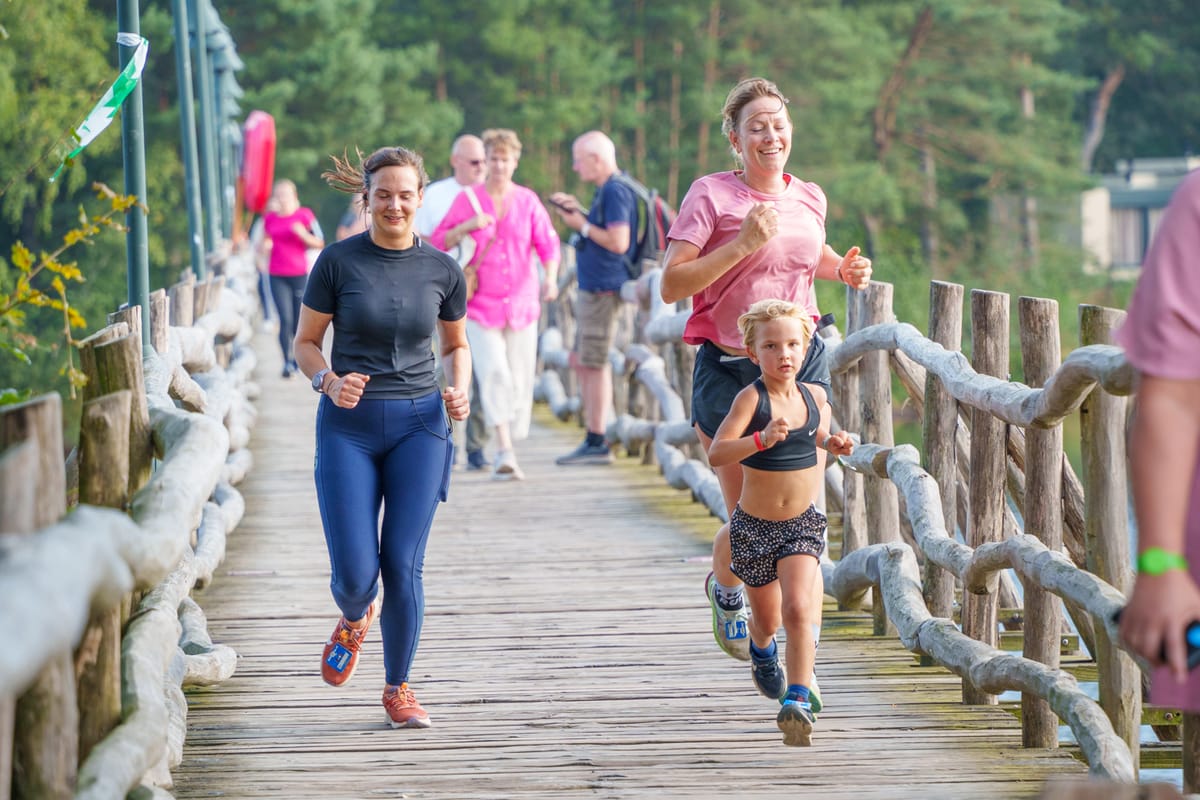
<point x="133" y="141"/>
<point x="187" y="121"/>
<point x="208" y="158"/>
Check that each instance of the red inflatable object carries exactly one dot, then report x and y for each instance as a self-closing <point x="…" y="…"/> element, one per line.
<point x="258" y="159"/>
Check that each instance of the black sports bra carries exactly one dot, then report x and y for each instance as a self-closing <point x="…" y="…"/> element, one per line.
<point x="799" y="449"/>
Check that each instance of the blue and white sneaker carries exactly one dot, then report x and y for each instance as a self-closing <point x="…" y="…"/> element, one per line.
<point x="796" y="721"/>
<point x="769" y="677"/>
<point x="730" y="626"/>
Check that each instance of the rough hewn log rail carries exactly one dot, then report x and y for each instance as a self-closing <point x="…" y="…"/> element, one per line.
<point x="893" y="569"/>
<point x="918" y="361"/>
<point x="199" y="416"/>
<point x="1015" y="403"/>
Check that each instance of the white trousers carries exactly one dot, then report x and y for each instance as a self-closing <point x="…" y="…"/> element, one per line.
<point x="504" y="361"/>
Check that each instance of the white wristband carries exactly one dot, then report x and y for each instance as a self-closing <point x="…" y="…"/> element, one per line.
<point x="585" y="229"/>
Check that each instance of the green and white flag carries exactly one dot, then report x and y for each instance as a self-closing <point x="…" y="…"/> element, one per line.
<point x="106" y="109"/>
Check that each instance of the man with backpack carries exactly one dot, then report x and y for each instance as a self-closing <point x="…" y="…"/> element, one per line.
<point x="605" y="245"/>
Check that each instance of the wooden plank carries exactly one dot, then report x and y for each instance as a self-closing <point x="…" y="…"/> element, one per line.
<point x="566" y="651"/>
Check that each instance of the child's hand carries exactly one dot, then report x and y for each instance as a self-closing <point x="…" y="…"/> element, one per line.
<point x="775" y="432"/>
<point x="840" y="444"/>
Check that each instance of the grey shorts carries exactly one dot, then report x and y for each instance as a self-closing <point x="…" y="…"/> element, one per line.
<point x="596" y="326"/>
<point x="759" y="544"/>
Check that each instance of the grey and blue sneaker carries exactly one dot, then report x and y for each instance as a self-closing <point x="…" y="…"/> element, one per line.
<point x="814" y="697"/>
<point x="586" y="454"/>
<point x="796" y="721"/>
<point x="769" y="676"/>
<point x="730" y="625"/>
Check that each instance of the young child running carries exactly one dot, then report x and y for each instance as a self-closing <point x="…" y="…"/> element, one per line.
<point x="774" y="427"/>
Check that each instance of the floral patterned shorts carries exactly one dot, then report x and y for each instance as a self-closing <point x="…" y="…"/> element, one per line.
<point x="759" y="544"/>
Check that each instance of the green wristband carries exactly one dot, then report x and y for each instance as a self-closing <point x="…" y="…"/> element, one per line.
<point x="1156" y="561"/>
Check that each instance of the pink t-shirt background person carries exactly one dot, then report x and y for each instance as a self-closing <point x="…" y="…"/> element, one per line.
<point x="1161" y="337"/>
<point x="785" y="266"/>
<point x="288" y="233"/>
<point x="502" y="314"/>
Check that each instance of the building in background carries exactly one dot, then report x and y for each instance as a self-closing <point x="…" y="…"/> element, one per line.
<point x="1119" y="217"/>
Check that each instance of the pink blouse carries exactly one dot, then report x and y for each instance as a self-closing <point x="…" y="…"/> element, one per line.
<point x="509" y="292"/>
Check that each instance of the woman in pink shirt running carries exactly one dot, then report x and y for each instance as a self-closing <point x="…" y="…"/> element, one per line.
<point x="509" y="228"/>
<point x="742" y="236"/>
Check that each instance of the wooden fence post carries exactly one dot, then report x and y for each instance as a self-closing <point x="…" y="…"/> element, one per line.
<point x="131" y="316"/>
<point x="985" y="519"/>
<point x="46" y="753"/>
<point x="1041" y="355"/>
<point x="183" y="299"/>
<point x="1106" y="513"/>
<point x="18" y="488"/>
<point x="113" y="362"/>
<point x="160" y="321"/>
<point x="103" y="481"/>
<point x="882" y="498"/>
<point x="939" y="436"/>
<point x="1190" y="747"/>
<point x="846" y="409"/>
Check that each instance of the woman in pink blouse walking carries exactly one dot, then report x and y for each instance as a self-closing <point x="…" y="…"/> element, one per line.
<point x="510" y="226"/>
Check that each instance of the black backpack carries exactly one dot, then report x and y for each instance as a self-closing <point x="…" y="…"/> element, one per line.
<point x="654" y="220"/>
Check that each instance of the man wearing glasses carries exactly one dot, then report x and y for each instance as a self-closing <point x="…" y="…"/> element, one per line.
<point x="470" y="169"/>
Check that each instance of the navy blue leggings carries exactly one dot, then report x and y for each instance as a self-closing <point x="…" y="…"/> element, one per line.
<point x="394" y="453"/>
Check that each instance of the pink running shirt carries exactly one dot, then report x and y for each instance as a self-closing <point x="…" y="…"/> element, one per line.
<point x="1161" y="337"/>
<point x="711" y="215"/>
<point x="288" y="250"/>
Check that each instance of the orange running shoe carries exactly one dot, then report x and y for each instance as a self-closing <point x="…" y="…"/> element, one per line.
<point x="340" y="656"/>
<point x="403" y="709"/>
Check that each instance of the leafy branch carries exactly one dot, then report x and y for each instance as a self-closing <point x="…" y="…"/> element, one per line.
<point x="33" y="289"/>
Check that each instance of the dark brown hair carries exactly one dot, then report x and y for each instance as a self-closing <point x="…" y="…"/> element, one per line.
<point x="357" y="180"/>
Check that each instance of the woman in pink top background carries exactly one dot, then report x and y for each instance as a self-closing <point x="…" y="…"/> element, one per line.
<point x="503" y="313"/>
<point x="1161" y="337"/>
<point x="288" y="232"/>
<point x="748" y="234"/>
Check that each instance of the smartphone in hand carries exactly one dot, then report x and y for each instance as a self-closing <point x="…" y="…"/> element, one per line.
<point x="1191" y="637"/>
<point x="561" y="207"/>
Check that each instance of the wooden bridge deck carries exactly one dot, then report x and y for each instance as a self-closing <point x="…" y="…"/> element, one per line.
<point x="566" y="653"/>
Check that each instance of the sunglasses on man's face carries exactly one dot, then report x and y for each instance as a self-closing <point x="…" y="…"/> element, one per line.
<point x="478" y="162"/>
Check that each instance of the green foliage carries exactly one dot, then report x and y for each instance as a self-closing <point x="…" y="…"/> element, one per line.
<point x="40" y="282"/>
<point x="916" y="133"/>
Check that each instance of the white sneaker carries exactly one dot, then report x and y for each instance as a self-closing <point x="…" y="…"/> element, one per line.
<point x="730" y="627"/>
<point x="506" y="468"/>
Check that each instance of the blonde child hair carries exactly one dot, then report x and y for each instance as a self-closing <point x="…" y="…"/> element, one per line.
<point x="767" y="310"/>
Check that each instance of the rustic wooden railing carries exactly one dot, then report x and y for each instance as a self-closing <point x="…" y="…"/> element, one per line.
<point x="991" y="463"/>
<point x="94" y="595"/>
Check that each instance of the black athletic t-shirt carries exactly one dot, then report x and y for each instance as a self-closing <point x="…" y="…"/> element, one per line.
<point x="385" y="306"/>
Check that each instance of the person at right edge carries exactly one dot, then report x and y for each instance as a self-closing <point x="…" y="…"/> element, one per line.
<point x="744" y="235"/>
<point x="1161" y="337"/>
<point x="605" y="240"/>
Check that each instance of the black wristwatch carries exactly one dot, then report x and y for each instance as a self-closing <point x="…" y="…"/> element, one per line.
<point x="318" y="380"/>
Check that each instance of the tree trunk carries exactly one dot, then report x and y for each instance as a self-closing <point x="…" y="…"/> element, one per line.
<point x="1029" y="220"/>
<point x="712" y="34"/>
<point x="1099" y="115"/>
